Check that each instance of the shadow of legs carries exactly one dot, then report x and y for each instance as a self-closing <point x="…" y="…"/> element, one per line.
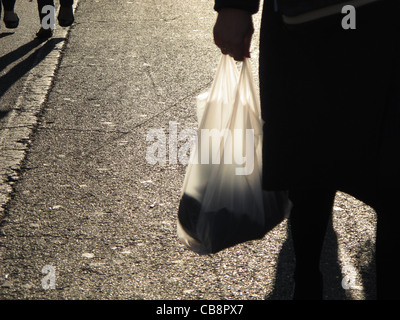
<point x="23" y="67"/>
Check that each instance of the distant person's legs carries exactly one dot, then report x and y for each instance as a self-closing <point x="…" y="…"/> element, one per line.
<point x="44" y="33"/>
<point x="65" y="15"/>
<point x="309" y="219"/>
<point x="10" y="19"/>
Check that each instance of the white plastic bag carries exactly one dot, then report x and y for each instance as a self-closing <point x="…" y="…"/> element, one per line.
<point x="222" y="201"/>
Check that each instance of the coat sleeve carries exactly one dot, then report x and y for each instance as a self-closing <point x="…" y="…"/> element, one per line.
<point x="248" y="5"/>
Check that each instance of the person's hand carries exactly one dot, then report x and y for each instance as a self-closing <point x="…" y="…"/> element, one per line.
<point x="233" y="31"/>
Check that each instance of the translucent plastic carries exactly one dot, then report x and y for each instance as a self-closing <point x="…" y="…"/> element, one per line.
<point x="222" y="201"/>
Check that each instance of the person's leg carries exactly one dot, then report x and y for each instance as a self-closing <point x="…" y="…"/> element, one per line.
<point x="66" y="3"/>
<point x="10" y="19"/>
<point x="8" y="5"/>
<point x="41" y="4"/>
<point x="309" y="218"/>
<point x="44" y="33"/>
<point x="388" y="244"/>
<point x="66" y="13"/>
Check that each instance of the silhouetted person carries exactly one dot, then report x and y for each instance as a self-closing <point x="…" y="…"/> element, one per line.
<point x="331" y="105"/>
<point x="65" y="16"/>
<point x="11" y="19"/>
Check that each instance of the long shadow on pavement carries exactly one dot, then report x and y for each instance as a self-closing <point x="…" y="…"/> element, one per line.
<point x="284" y="284"/>
<point x="5" y="34"/>
<point x="23" y="67"/>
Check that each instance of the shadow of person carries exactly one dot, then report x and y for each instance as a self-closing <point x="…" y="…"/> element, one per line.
<point x="368" y="271"/>
<point x="368" y="277"/>
<point x="18" y="53"/>
<point x="5" y="34"/>
<point x="330" y="267"/>
<point x="24" y="66"/>
<point x="4" y="113"/>
<point x="284" y="283"/>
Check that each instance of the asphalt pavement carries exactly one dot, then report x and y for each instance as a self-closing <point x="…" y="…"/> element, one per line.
<point x="84" y="214"/>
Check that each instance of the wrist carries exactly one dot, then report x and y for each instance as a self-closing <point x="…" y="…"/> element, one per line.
<point x="250" y="6"/>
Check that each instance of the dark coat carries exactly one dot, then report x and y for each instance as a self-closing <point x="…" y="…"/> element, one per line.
<point x="330" y="99"/>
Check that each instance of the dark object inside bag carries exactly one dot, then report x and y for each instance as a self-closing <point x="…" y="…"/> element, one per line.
<point x="221" y="229"/>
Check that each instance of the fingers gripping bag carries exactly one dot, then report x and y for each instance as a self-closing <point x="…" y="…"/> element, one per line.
<point x="222" y="202"/>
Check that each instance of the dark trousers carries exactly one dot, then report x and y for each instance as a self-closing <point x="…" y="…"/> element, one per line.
<point x="42" y="3"/>
<point x="8" y="5"/>
<point x="309" y="219"/>
<point x="313" y="207"/>
<point x="327" y="128"/>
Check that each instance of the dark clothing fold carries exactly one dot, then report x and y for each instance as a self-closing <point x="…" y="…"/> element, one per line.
<point x="330" y="100"/>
